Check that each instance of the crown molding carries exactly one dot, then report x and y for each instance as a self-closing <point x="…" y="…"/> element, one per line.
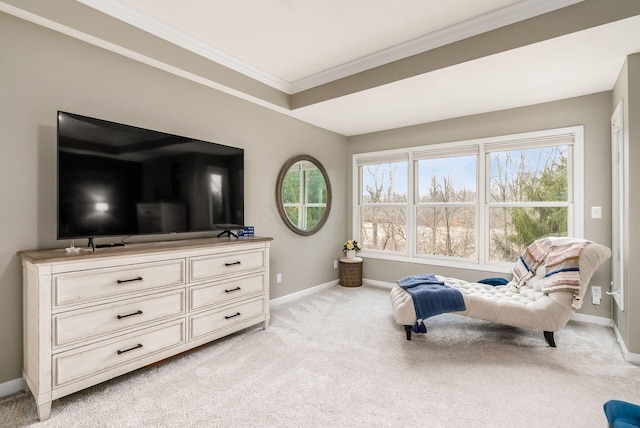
<point x="522" y="10"/>
<point x="139" y="19"/>
<point x="508" y="15"/>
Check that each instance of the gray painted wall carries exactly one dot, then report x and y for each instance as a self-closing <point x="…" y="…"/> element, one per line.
<point x="627" y="90"/>
<point x="633" y="291"/>
<point x="592" y="111"/>
<point x="43" y="71"/>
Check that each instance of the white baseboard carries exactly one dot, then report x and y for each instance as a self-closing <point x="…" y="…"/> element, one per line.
<point x="11" y="387"/>
<point x="294" y="296"/>
<point x="592" y="319"/>
<point x="630" y="357"/>
<point x="388" y="285"/>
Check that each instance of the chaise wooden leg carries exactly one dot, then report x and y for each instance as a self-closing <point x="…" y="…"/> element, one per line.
<point x="548" y="335"/>
<point x="408" y="328"/>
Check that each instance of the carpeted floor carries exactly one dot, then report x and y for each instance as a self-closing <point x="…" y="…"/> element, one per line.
<point x="337" y="359"/>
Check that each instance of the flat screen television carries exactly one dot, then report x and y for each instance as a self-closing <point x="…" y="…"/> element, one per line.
<point x="121" y="180"/>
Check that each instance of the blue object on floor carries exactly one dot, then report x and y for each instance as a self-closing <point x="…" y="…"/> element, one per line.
<point x="621" y="414"/>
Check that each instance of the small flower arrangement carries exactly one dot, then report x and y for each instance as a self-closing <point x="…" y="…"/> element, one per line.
<point x="351" y="244"/>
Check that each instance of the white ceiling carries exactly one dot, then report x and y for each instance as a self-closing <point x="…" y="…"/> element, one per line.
<point x="578" y="64"/>
<point x="293" y="45"/>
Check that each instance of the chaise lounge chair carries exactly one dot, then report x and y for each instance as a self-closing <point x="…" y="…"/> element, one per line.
<point x="535" y="299"/>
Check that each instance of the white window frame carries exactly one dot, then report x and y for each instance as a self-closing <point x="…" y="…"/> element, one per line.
<point x="483" y="146"/>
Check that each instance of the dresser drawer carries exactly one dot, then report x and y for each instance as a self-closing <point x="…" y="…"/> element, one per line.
<point x="203" y="296"/>
<point x="74" y="326"/>
<point x="226" y="317"/>
<point x="86" y="361"/>
<point x="211" y="266"/>
<point x="91" y="285"/>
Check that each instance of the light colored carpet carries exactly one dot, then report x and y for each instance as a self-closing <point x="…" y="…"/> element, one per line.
<point x="337" y="359"/>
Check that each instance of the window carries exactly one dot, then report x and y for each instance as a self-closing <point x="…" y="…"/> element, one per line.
<point x="383" y="207"/>
<point x="528" y="197"/>
<point x="446" y="206"/>
<point x="473" y="202"/>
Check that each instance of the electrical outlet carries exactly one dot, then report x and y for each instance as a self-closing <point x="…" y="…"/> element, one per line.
<point x="278" y="278"/>
<point x="596" y="294"/>
<point x="335" y="264"/>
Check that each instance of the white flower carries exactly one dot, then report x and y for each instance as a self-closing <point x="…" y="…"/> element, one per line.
<point x="351" y="244"/>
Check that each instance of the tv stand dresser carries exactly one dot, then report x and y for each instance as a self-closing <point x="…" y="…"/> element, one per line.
<point x="91" y="316"/>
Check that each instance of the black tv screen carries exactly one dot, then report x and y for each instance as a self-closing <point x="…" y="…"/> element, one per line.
<point x="116" y="179"/>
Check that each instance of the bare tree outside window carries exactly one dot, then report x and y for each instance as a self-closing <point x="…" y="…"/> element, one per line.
<point x="446" y="206"/>
<point x="384" y="206"/>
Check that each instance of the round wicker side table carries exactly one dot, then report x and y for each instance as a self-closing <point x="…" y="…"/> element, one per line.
<point x="351" y="272"/>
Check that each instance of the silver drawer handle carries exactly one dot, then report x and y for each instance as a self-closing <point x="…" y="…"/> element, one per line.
<point x="237" y="314"/>
<point x="122" y="281"/>
<point x="138" y="346"/>
<point x="232" y="290"/>
<point x="232" y="264"/>
<point x="129" y="315"/>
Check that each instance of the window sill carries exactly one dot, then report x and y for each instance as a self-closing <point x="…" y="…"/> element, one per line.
<point x="505" y="268"/>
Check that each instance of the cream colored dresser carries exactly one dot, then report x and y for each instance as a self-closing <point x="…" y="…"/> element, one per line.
<point x="92" y="316"/>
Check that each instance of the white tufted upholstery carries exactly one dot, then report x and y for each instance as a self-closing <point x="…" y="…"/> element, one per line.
<point x="530" y="308"/>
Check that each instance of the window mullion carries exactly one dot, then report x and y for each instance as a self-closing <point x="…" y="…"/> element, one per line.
<point x="356" y="197"/>
<point x="482" y="223"/>
<point x="411" y="207"/>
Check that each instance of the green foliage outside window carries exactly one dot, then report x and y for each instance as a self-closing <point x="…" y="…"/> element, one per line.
<point x="523" y="225"/>
<point x="316" y="187"/>
<point x="291" y="188"/>
<point x="542" y="221"/>
<point x="304" y="206"/>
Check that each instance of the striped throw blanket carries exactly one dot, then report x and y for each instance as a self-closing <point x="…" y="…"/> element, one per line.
<point x="562" y="263"/>
<point x="561" y="257"/>
<point x="527" y="263"/>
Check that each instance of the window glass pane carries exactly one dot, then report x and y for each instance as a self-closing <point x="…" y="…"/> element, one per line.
<point x="537" y="174"/>
<point x="446" y="231"/>
<point x="385" y="182"/>
<point x="291" y="188"/>
<point x="292" y="213"/>
<point x="511" y="230"/>
<point x="314" y="215"/>
<point x="316" y="187"/>
<point x="451" y="179"/>
<point x="384" y="228"/>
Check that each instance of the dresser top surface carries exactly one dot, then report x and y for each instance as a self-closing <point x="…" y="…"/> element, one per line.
<point x="60" y="255"/>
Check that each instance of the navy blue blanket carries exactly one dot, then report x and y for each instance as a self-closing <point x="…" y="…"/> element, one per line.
<point x="431" y="296"/>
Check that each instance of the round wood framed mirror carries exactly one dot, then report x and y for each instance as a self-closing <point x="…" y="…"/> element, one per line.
<point x="303" y="194"/>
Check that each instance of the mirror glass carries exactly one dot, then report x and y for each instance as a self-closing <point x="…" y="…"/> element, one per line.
<point x="303" y="194"/>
